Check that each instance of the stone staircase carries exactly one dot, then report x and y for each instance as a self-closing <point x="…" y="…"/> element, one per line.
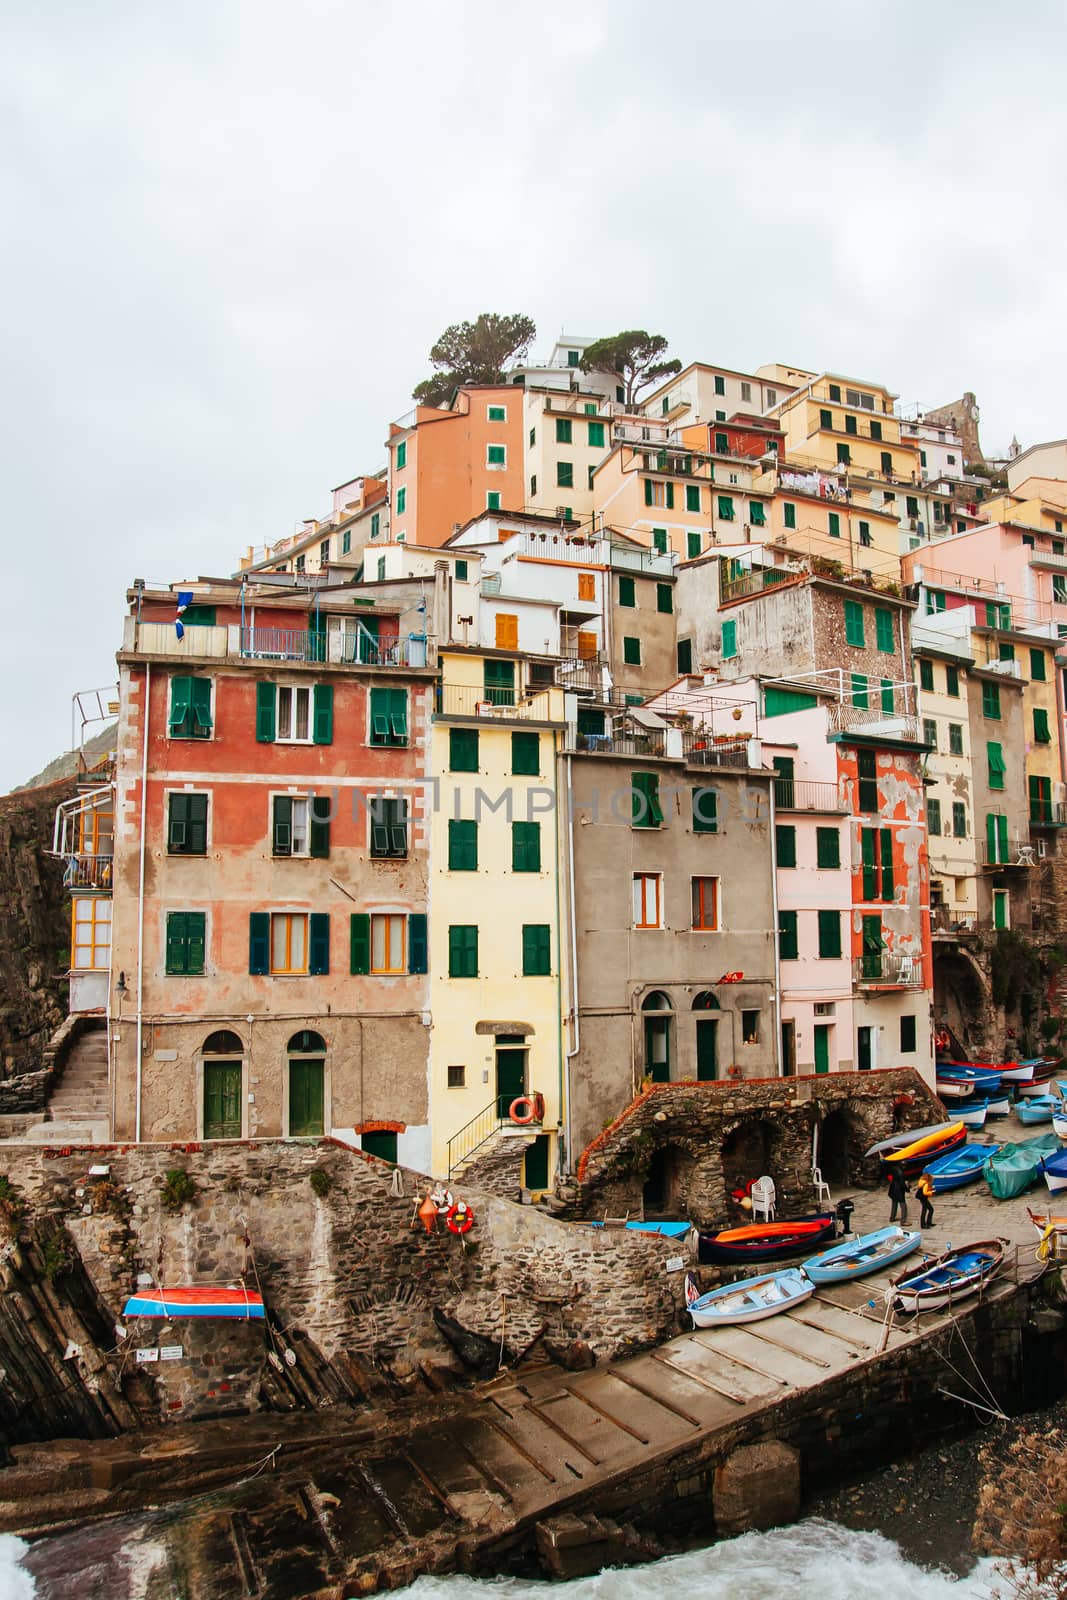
<point x="496" y="1165"/>
<point x="79" y="1107"/>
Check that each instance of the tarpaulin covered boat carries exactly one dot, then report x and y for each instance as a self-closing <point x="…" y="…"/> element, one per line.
<point x="1017" y="1167"/>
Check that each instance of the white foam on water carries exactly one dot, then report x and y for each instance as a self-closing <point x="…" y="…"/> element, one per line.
<point x="837" y="1563"/>
<point x="15" y="1581"/>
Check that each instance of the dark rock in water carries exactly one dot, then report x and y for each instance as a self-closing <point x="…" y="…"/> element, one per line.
<point x="575" y="1356"/>
<point x="482" y="1355"/>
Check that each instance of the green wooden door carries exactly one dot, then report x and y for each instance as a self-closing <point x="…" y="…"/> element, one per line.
<point x="658" y="1048"/>
<point x="510" y="1077"/>
<point x="864" y="1051"/>
<point x="784" y="786"/>
<point x="535" y="1171"/>
<point x="222" y="1099"/>
<point x="1000" y="908"/>
<point x="822" y="1047"/>
<point x="707" y="1050"/>
<point x="306" y="1099"/>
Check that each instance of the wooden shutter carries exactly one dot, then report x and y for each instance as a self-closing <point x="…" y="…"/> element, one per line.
<point x="887" y="863"/>
<point x="507" y="631"/>
<point x="195" y="940"/>
<point x="319" y="943"/>
<point x="525" y="847"/>
<point x="319" y="826"/>
<point x="398" y="715"/>
<point x="417" y="942"/>
<point x="322" y="713"/>
<point x="648" y="491"/>
<point x="176" y="942"/>
<point x="178" y="823"/>
<point x="259" y="942"/>
<point x="266" y="700"/>
<point x="379" y="716"/>
<point x="282" y="844"/>
<point x="359" y="942"/>
<point x="536" y="951"/>
<point x="868" y="838"/>
<point x="196" y="822"/>
<point x="670" y="497"/>
<point x="180" y="700"/>
<point x="705" y="811"/>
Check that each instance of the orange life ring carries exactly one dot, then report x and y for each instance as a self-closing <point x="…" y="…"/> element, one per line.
<point x="539" y="1107"/>
<point x="527" y="1106"/>
<point x="461" y="1218"/>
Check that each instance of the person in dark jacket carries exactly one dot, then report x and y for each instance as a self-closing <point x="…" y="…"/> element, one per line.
<point x="898" y="1193"/>
<point x="925" y="1190"/>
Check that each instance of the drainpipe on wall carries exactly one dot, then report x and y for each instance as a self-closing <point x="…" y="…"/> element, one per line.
<point x="140" y="898"/>
<point x="776" y="989"/>
<point x="576" y="1030"/>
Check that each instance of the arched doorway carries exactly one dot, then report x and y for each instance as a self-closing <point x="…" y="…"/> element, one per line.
<point x="707" y="1037"/>
<point x="656" y="1010"/>
<point x="222" y="1097"/>
<point x="666" y="1182"/>
<point x="840" y="1151"/>
<point x="306" y="1098"/>
<point x="747" y="1153"/>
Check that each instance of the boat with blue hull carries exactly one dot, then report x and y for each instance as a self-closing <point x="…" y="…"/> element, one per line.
<point x="1055" y="1169"/>
<point x="866" y="1252"/>
<point x="1038" y="1108"/>
<point x="951" y="1277"/>
<point x="974" y="1079"/>
<point x="765" y="1241"/>
<point x="748" y="1301"/>
<point x="960" y="1167"/>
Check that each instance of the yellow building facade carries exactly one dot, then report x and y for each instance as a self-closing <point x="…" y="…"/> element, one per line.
<point x="498" y="951"/>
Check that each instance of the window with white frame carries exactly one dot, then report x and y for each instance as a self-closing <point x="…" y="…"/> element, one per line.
<point x="496" y="456"/>
<point x="293" y="724"/>
<point x="648" y="899"/>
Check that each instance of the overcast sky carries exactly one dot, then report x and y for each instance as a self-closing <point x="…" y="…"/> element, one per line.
<point x="231" y="233"/>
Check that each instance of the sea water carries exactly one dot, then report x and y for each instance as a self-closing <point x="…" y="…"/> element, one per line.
<point x="837" y="1563"/>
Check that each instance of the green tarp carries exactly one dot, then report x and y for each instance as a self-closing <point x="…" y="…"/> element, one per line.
<point x="1015" y="1167"/>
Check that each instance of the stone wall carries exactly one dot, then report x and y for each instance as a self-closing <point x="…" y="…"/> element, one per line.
<point x="350" y="1278"/>
<point x="703" y="1139"/>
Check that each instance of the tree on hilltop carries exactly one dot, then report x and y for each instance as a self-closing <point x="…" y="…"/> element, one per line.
<point x="634" y="355"/>
<point x="474" y="352"/>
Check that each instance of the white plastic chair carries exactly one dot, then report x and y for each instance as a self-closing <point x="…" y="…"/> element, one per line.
<point x="821" y="1187"/>
<point x="762" y="1196"/>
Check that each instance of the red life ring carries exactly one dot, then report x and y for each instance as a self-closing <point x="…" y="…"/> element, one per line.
<point x="523" y="1110"/>
<point x="442" y="1199"/>
<point x="539" y="1107"/>
<point x="461" y="1218"/>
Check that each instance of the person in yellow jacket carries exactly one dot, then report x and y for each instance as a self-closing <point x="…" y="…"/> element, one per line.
<point x="925" y="1190"/>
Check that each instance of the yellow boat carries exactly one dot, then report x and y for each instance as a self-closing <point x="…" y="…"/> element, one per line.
<point x="932" y="1144"/>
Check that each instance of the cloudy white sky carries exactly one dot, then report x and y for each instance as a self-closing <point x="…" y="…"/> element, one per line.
<point x="231" y="232"/>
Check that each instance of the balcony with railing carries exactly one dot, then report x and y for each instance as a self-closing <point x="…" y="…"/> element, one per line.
<point x="343" y="641"/>
<point x="473" y="701"/>
<point x="88" y="871"/>
<point x="885" y="969"/>
<point x="947" y="922"/>
<point x="1047" y="813"/>
<point x="802" y="794"/>
<point x="875" y="722"/>
<point x="700" y="749"/>
<point x="758" y="581"/>
<point x="641" y="742"/>
<point x="1004" y="854"/>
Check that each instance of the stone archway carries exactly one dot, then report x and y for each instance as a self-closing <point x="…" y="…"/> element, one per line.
<point x="840" y="1147"/>
<point x="962" y="998"/>
<point x="666" y="1187"/>
<point x="747" y="1152"/>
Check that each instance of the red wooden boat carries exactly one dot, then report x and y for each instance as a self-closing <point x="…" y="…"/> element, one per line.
<point x="764" y="1241"/>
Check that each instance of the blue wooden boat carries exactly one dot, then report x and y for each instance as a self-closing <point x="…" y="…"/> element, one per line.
<point x="1037" y="1108"/>
<point x="1055" y="1169"/>
<point x="748" y="1301"/>
<point x="951" y="1277"/>
<point x="865" y="1252"/>
<point x="205" y="1300"/>
<point x="961" y="1167"/>
<point x="972" y="1113"/>
<point x="981" y="1080"/>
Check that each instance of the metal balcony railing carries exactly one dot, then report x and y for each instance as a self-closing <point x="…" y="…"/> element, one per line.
<point x="1005" y="853"/>
<point x="756" y="582"/>
<point x="635" y="742"/>
<point x="494" y="704"/>
<point x="801" y="794"/>
<point x="874" y="721"/>
<point x="283" y="644"/>
<point x="1047" y="814"/>
<point x="885" y="969"/>
<point x="479" y="1131"/>
<point x="945" y="919"/>
<point x="701" y="750"/>
<point x="88" y="871"/>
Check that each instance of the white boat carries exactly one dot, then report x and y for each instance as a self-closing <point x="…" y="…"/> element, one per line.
<point x="748" y="1301"/>
<point x="951" y="1277"/>
<point x="973" y="1116"/>
<point x="998" y="1105"/>
<point x="1059" y="1124"/>
<point x="1017" y="1072"/>
<point x="953" y="1088"/>
<point x="863" y="1253"/>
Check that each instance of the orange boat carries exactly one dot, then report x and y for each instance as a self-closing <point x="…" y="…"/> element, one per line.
<point x="925" y="1149"/>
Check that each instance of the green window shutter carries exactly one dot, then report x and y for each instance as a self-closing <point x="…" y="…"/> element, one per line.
<point x="499" y="681"/>
<point x="195" y="941"/>
<point x="670" y="497"/>
<point x="197" y="823"/>
<point x="322" y="713"/>
<point x="563" y="430"/>
<point x="888" y="889"/>
<point x="829" y="935"/>
<point x="401" y="455"/>
<point x="526" y="754"/>
<point x="827" y="847"/>
<point x="461" y="571"/>
<point x="722" y="444"/>
<point x="200" y="707"/>
<point x="959" y="819"/>
<point x="536" y="950"/>
<point x="991" y="701"/>
<point x="844" y="455"/>
<point x="258" y="943"/>
<point x="319" y="827"/>
<point x="788" y="936"/>
<point x="952" y="681"/>
<point x="684" y="656"/>
<point x="175" y="942"/>
<point x="868" y="852"/>
<point x="496" y="455"/>
<point x="664" y="598"/>
<point x="883" y="628"/>
<point x="463" y="951"/>
<point x="873" y="945"/>
<point x="401" y="501"/>
<point x="525" y="847"/>
<point x="785" y="845"/>
<point x="887" y="695"/>
<point x="826" y="419"/>
<point x="789" y="512"/>
<point x="181" y="694"/>
<point x="780" y="702"/>
<point x="692" y="545"/>
<point x="398" y="715"/>
<point x="492" y="499"/>
<point x="833" y="523"/>
<point x="995" y="758"/>
<point x="282" y="830"/>
<point x="596" y="435"/>
<point x="867" y="771"/>
<point x="627" y="592"/>
<point x="645" y="811"/>
<point x="359" y="943"/>
<point x="1037" y="666"/>
<point x="851" y="424"/>
<point x="178" y="824"/>
<point x="462" y="846"/>
<point x="926" y="673"/>
<point x="631" y="651"/>
<point x="1041" y="727"/>
<point x="726" y="508"/>
<point x="418" y="943"/>
<point x="1002" y="838"/>
<point x="692" y="497"/>
<point x="319" y="943"/>
<point x="859" y="690"/>
<point x="648" y="491"/>
<point x="497" y="414"/>
<point x="659" y="540"/>
<point x="463" y="749"/>
<point x="705" y="811"/>
<point x="266" y="700"/>
<point x="756" y="515"/>
<point x="729" y="640"/>
<point x="854" y="633"/>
